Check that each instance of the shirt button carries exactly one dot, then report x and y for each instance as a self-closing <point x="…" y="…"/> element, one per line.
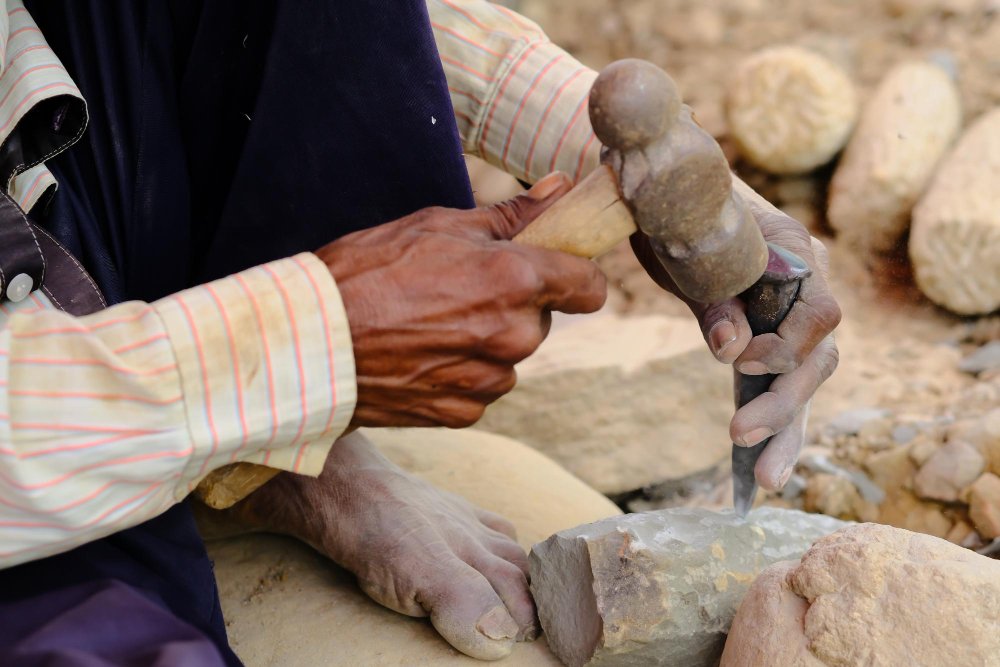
<point x="19" y="287"/>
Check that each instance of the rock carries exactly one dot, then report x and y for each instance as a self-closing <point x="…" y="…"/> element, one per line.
<point x="904" y="130"/>
<point x="868" y="490"/>
<point x="852" y="421"/>
<point x="962" y="533"/>
<point x="955" y="237"/>
<point x="286" y="605"/>
<point x="790" y="110"/>
<point x="923" y="448"/>
<point x="984" y="433"/>
<point x="984" y="505"/>
<point x="904" y="510"/>
<point x="835" y="495"/>
<point x="658" y="588"/>
<point x="920" y="8"/>
<point x="612" y="401"/>
<point x="871" y="595"/>
<point x="893" y="471"/>
<point x="950" y="469"/>
<point x="904" y="433"/>
<point x="986" y="358"/>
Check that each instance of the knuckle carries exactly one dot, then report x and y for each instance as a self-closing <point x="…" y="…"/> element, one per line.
<point x="464" y="414"/>
<point x="429" y="216"/>
<point x="822" y="313"/>
<point x="518" y="343"/>
<point x="715" y="313"/>
<point x="516" y="273"/>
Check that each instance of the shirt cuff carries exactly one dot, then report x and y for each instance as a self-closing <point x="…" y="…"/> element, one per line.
<point x="266" y="366"/>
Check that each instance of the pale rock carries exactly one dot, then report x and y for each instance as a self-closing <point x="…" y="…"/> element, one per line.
<point x="986" y="358"/>
<point x="622" y="403"/>
<point x="285" y="604"/>
<point x="852" y="421"/>
<point x="984" y="505"/>
<point x="955" y="235"/>
<point x="871" y="595"/>
<point x="893" y="471"/>
<point x="961" y="533"/>
<point x="790" y="110"/>
<point x="906" y="126"/>
<point x="921" y="8"/>
<point x="835" y="495"/>
<point x="950" y="469"/>
<point x="903" y="434"/>
<point x="658" y="588"/>
<point x="923" y="448"/>
<point x="984" y="433"/>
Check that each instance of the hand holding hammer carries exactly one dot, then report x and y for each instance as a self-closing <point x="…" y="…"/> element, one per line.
<point x="666" y="183"/>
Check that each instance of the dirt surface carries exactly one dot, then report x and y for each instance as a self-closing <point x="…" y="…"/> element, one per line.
<point x="898" y="352"/>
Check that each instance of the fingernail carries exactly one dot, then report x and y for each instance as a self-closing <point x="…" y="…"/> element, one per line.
<point x="753" y="368"/>
<point x="544" y="188"/>
<point x="721" y="335"/>
<point x="497" y="624"/>
<point x="757" y="435"/>
<point x="783" y="479"/>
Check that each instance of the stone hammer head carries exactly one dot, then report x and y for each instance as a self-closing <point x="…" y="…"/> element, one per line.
<point x="676" y="181"/>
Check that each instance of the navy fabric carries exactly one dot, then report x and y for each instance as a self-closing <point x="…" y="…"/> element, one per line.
<point x="222" y="135"/>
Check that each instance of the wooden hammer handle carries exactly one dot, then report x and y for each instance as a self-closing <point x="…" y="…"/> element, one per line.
<point x="588" y="221"/>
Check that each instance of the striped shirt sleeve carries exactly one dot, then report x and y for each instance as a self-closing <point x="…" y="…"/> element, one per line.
<point x="520" y="100"/>
<point x="108" y="420"/>
<point x="31" y="74"/>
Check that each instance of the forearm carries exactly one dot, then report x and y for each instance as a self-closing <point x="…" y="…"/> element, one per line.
<point x="107" y="420"/>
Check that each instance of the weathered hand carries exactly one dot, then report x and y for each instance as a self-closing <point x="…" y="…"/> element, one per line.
<point x="802" y="351"/>
<point x="414" y="549"/>
<point x="441" y="306"/>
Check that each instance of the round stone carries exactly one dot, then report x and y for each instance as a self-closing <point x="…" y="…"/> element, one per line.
<point x="19" y="287"/>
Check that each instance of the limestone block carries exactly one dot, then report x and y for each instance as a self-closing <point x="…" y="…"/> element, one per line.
<point x="658" y="588"/>
<point x="949" y="470"/>
<point x="984" y="505"/>
<point x="955" y="238"/>
<point x="790" y="110"/>
<point x="904" y="131"/>
<point x="621" y="402"/>
<point x="871" y="595"/>
<point x="285" y="605"/>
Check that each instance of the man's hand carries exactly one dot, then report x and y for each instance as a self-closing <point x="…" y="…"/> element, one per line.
<point x="441" y="306"/>
<point x="803" y="350"/>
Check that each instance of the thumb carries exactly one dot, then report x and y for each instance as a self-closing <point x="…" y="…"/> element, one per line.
<point x="505" y="220"/>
